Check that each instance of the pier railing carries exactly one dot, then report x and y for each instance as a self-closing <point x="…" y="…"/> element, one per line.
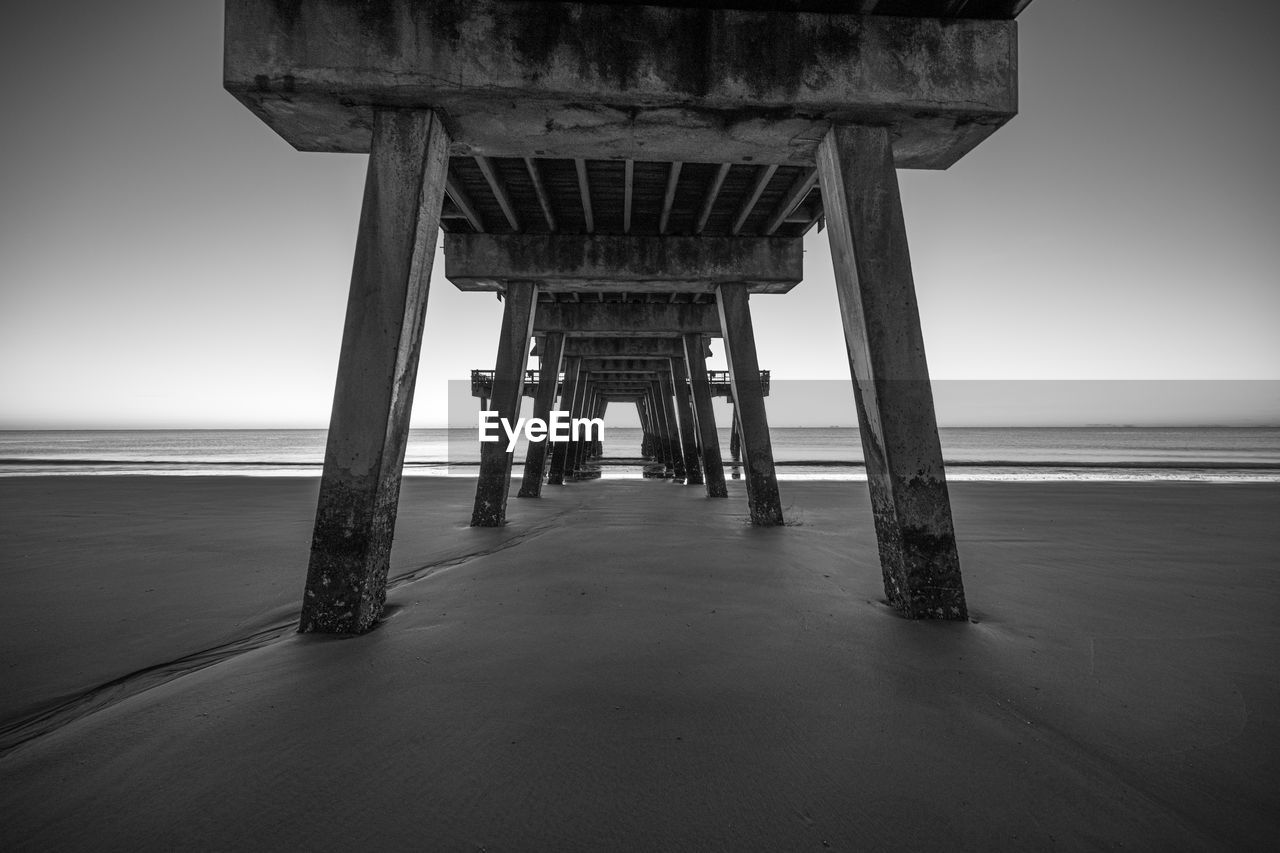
<point x="482" y="383"/>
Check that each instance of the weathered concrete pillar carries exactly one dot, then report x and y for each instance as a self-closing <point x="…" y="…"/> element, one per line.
<point x="663" y="434"/>
<point x="644" y="429"/>
<point x="597" y="443"/>
<point x="666" y="446"/>
<point x="673" y="425"/>
<point x="581" y="447"/>
<point x="494" y="482"/>
<point x="597" y="446"/>
<point x="381" y="340"/>
<point x="646" y="433"/>
<point x="735" y="434"/>
<point x="568" y="395"/>
<point x="548" y="380"/>
<point x="579" y="406"/>
<point x="705" y="416"/>
<point x="685" y="419"/>
<point x="890" y="375"/>
<point x="653" y="444"/>
<point x="744" y="378"/>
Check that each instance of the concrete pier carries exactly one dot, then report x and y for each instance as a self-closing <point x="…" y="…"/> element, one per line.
<point x="890" y="375"/>
<point x="369" y="426"/>
<point x="494" y="482"/>
<point x="705" y="416"/>
<point x="685" y="419"/>
<point x="580" y="402"/>
<point x="744" y="371"/>
<point x="548" y="383"/>
<point x="628" y="174"/>
<point x="680" y="471"/>
<point x="568" y="399"/>
<point x="659" y="409"/>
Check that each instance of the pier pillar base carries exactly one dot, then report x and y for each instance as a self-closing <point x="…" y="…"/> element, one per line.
<point x="377" y="366"/>
<point x="890" y="375"/>
<point x="508" y="387"/>
<point x="744" y="377"/>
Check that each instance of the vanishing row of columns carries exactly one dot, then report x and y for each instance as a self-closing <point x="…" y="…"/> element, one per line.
<point x="670" y="411"/>
<point x="674" y="371"/>
<point x="369" y="425"/>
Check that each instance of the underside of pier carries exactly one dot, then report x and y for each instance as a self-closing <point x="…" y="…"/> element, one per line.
<point x="630" y="179"/>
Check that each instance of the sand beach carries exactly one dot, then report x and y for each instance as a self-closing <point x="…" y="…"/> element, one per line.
<point x="629" y="666"/>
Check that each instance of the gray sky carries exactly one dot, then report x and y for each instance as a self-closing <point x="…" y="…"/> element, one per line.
<point x="167" y="261"/>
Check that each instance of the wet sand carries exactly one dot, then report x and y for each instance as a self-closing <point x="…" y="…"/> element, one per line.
<point x="628" y="665"/>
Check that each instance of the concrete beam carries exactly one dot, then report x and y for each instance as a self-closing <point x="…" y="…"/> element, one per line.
<point x="599" y="366"/>
<point x="612" y="347"/>
<point x="606" y="81"/>
<point x="626" y="319"/>
<point x="566" y="262"/>
<point x="615" y="376"/>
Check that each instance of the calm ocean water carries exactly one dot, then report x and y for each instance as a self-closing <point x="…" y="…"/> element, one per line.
<point x="1039" y="454"/>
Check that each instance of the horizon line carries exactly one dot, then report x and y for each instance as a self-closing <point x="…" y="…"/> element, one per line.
<point x="1267" y="425"/>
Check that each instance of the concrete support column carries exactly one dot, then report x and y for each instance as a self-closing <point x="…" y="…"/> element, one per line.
<point x="890" y="375"/>
<point x="548" y="380"/>
<point x="582" y="446"/>
<point x="646" y="434"/>
<point x="705" y="416"/>
<point x="598" y="444"/>
<point x="579" y="406"/>
<point x="381" y="340"/>
<point x="650" y="399"/>
<point x="663" y="428"/>
<point x="508" y="390"/>
<point x="644" y="429"/>
<point x="673" y="426"/>
<point x="568" y="395"/>
<point x="653" y="443"/>
<point x="744" y="378"/>
<point x="685" y="418"/>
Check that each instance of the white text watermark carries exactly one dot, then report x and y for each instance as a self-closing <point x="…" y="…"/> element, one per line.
<point x="561" y="427"/>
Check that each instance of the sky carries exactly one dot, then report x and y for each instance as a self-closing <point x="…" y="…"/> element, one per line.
<point x="167" y="261"/>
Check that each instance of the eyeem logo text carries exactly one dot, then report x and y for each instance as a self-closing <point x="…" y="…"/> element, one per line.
<point x="561" y="427"/>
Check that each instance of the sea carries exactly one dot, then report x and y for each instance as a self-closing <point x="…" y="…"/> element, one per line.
<point x="1216" y="455"/>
